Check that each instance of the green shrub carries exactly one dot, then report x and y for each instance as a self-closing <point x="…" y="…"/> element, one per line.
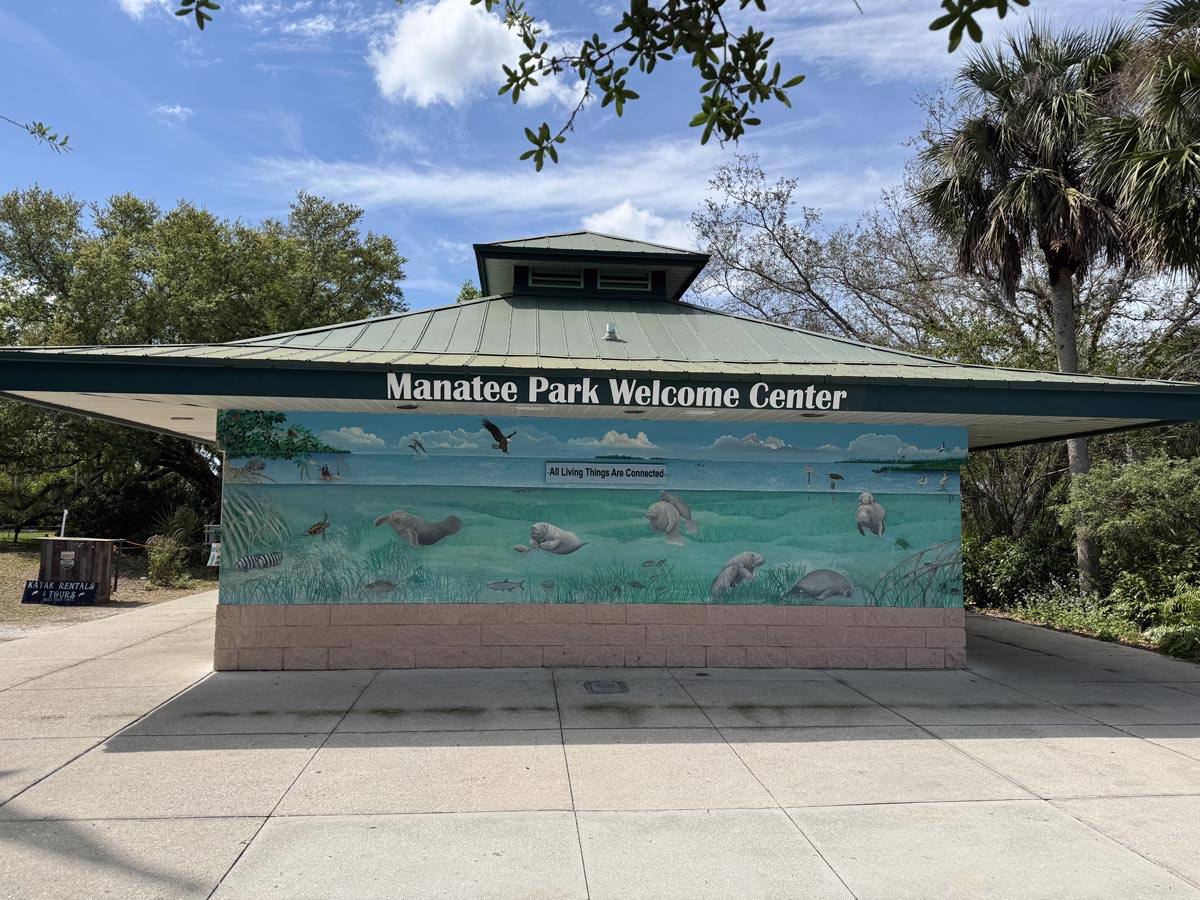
<point x="167" y="560"/>
<point x="1177" y="640"/>
<point x="1070" y="610"/>
<point x="1003" y="571"/>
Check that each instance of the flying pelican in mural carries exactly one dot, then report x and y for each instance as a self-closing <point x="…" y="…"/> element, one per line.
<point x="501" y="438"/>
<point x="417" y="447"/>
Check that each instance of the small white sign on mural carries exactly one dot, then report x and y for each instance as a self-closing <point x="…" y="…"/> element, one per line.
<point x="616" y="473"/>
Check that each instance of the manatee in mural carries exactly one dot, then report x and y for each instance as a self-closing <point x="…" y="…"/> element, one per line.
<point x="416" y="530"/>
<point x="665" y="518"/>
<point x="869" y="514"/>
<point x="685" y="511"/>
<point x="740" y="568"/>
<point x="822" y="584"/>
<point x="552" y="539"/>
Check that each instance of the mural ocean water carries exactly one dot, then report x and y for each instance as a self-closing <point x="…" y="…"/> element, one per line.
<point x="330" y="508"/>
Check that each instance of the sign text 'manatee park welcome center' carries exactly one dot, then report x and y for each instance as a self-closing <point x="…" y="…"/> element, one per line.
<point x="627" y="392"/>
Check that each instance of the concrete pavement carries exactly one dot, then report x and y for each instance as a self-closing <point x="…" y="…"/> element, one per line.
<point x="1053" y="766"/>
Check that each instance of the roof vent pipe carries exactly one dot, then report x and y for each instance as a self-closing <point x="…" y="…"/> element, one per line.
<point x="610" y="332"/>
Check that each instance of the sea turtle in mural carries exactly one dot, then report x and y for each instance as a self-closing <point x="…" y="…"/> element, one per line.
<point x="740" y="568"/>
<point x="869" y="514"/>
<point x="319" y="527"/>
<point x="822" y="584"/>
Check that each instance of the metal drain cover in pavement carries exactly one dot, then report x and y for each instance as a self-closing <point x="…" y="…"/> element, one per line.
<point x="606" y="687"/>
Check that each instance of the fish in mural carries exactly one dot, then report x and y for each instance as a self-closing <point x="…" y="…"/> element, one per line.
<point x="822" y="584"/>
<point x="522" y="548"/>
<point x="552" y="539"/>
<point x="499" y="436"/>
<point x="636" y="584"/>
<point x="319" y="527"/>
<point x="869" y="514"/>
<point x="381" y="586"/>
<point x="416" y="530"/>
<point x="740" y="568"/>
<point x="650" y="562"/>
<point x="685" y="511"/>
<point x="902" y="543"/>
<point x="548" y="585"/>
<point x="506" y="585"/>
<point x="259" y="561"/>
<point x="665" y="518"/>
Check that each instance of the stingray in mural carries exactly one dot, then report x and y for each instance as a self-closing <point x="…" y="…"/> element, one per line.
<point x="869" y="514"/>
<point x="740" y="568"/>
<point x="416" y="530"/>
<point x="552" y="539"/>
<point x="685" y="511"/>
<point x="822" y="584"/>
<point x="665" y="518"/>
<point x="500" y="437"/>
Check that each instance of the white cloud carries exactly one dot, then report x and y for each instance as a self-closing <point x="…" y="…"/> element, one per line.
<point x="458" y="439"/>
<point x="449" y="51"/>
<point x="137" y="8"/>
<point x="616" y="439"/>
<point x="890" y="446"/>
<point x="173" y="113"/>
<point x="351" y="436"/>
<point x="314" y="27"/>
<point x="627" y="220"/>
<point x="750" y="441"/>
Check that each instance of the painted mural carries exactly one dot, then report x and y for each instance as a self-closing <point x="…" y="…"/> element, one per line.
<point x="414" y="508"/>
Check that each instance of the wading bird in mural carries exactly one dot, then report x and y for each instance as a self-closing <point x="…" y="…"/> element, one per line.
<point x="500" y="437"/>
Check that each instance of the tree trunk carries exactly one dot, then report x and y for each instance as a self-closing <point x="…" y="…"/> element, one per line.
<point x="1066" y="344"/>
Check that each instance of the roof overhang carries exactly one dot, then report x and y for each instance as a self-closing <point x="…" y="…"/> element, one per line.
<point x="180" y="395"/>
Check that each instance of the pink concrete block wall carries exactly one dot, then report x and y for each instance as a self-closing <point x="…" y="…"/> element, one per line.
<point x="374" y="636"/>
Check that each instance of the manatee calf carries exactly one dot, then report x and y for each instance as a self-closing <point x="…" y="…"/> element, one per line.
<point x="664" y="517"/>
<point x="740" y="568"/>
<point x="416" y="530"/>
<point x="552" y="539"/>
<point x="869" y="514"/>
<point x="685" y="511"/>
<point x="822" y="584"/>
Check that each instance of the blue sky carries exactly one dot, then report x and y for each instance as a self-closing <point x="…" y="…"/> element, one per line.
<point x="394" y="107"/>
<point x="560" y="437"/>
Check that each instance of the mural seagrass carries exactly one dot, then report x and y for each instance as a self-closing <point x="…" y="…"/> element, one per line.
<point x="414" y="508"/>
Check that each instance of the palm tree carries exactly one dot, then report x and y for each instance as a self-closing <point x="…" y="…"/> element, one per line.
<point x="1013" y="180"/>
<point x="1148" y="143"/>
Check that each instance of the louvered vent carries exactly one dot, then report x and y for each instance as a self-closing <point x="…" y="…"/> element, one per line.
<point x="624" y="281"/>
<point x="556" y="278"/>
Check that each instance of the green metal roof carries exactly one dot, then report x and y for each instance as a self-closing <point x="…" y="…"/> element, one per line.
<point x="178" y="388"/>
<point x="590" y="242"/>
<point x="586" y="248"/>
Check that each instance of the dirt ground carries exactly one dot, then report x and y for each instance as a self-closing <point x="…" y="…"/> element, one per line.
<point x="19" y="563"/>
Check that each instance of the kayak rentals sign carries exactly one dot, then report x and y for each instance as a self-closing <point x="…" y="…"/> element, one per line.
<point x="623" y="392"/>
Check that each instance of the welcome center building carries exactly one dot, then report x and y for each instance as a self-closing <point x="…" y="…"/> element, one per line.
<point x="582" y="469"/>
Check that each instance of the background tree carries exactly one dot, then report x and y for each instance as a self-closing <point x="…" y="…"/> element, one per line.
<point x="123" y="271"/>
<point x="468" y="291"/>
<point x="1014" y="176"/>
